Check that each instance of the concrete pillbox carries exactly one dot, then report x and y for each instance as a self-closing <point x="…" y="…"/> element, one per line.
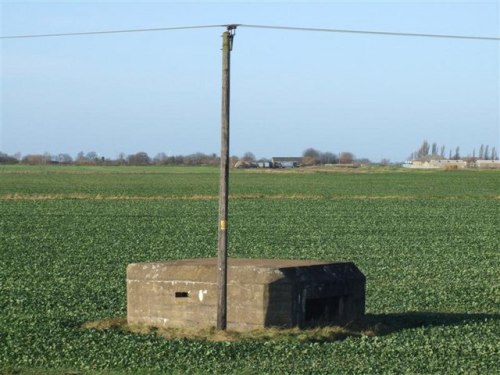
<point x="261" y="293"/>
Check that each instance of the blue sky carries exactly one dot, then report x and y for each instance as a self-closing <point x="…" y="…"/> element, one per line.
<point x="376" y="96"/>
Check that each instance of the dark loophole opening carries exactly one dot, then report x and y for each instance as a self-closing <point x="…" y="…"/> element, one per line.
<point x="181" y="294"/>
<point x="320" y="310"/>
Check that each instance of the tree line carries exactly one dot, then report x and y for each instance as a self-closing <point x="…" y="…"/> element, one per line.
<point x="310" y="156"/>
<point x="434" y="151"/>
<point x="93" y="158"/>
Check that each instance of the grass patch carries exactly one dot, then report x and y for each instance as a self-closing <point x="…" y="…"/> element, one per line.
<point x="370" y="326"/>
<point x="320" y="334"/>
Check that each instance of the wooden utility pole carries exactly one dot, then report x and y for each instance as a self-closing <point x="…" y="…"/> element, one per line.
<point x="227" y="44"/>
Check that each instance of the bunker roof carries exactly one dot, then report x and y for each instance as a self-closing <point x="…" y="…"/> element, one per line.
<point x="252" y="271"/>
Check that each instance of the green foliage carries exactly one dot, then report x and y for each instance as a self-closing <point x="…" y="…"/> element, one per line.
<point x="427" y="242"/>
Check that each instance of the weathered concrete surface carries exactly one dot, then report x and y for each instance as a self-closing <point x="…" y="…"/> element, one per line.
<point x="261" y="293"/>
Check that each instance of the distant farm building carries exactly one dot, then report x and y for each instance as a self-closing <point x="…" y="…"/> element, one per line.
<point x="435" y="164"/>
<point x="287" y="162"/>
<point x="452" y="164"/>
<point x="276" y="162"/>
<point x="265" y="164"/>
<point x="488" y="164"/>
<point x="243" y="164"/>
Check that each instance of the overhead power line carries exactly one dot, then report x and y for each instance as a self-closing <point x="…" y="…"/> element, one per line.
<point x="233" y="26"/>
<point x="388" y="33"/>
<point x="110" y="32"/>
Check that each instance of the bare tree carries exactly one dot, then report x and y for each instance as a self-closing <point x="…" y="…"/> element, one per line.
<point x="92" y="156"/>
<point x="481" y="152"/>
<point x="7" y="159"/>
<point x="35" y="159"/>
<point x="346" y="158"/>
<point x="140" y="158"/>
<point x="494" y="155"/>
<point x="248" y="156"/>
<point x="311" y="156"/>
<point x="80" y="157"/>
<point x="434" y="151"/>
<point x="311" y="153"/>
<point x="160" y="158"/>
<point x="423" y="151"/>
<point x="328" y="158"/>
<point x="442" y="151"/>
<point x="64" y="159"/>
<point x="121" y="158"/>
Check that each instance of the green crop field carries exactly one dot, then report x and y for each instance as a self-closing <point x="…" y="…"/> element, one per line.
<point x="427" y="241"/>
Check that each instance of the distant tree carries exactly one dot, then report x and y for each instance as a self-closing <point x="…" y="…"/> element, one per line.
<point x="481" y="152"/>
<point x="328" y="158"/>
<point x="176" y="160"/>
<point x="121" y="158"/>
<point x="214" y="159"/>
<point x="434" y="151"/>
<point x="92" y="156"/>
<point x="197" y="158"/>
<point x="450" y="157"/>
<point x="311" y="153"/>
<point x="160" y="158"/>
<point x="34" y="159"/>
<point x="474" y="153"/>
<point x="423" y="151"/>
<point x="311" y="156"/>
<point x="346" y="158"/>
<point x="385" y="162"/>
<point x="442" y="151"/>
<point x="457" y="153"/>
<point x="140" y="158"/>
<point x="486" y="152"/>
<point x="7" y="159"/>
<point x="494" y="155"/>
<point x="49" y="158"/>
<point x="80" y="157"/>
<point x="365" y="161"/>
<point x="64" y="159"/>
<point x="248" y="156"/>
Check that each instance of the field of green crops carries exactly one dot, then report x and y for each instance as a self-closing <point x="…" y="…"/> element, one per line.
<point x="427" y="241"/>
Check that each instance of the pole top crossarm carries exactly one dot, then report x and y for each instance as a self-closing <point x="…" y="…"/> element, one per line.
<point x="232" y="27"/>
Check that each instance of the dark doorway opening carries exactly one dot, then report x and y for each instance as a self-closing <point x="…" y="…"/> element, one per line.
<point x="321" y="311"/>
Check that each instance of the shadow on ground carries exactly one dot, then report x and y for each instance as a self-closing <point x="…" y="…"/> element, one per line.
<point x="384" y="324"/>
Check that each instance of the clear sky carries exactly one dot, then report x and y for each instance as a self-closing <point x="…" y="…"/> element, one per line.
<point x="376" y="96"/>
